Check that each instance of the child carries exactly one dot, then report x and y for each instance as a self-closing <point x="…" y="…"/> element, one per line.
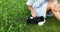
<point x="55" y="8"/>
<point x="38" y="8"/>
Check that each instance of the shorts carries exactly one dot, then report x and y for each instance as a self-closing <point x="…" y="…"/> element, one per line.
<point x="41" y="11"/>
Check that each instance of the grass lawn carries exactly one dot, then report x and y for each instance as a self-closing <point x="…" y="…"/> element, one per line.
<point x="13" y="15"/>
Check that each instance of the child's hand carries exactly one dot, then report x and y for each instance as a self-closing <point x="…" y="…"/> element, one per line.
<point x="34" y="14"/>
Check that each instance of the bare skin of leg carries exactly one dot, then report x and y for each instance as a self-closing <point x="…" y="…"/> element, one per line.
<point x="56" y="13"/>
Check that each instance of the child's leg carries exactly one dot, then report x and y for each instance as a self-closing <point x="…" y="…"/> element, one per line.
<point x="55" y="12"/>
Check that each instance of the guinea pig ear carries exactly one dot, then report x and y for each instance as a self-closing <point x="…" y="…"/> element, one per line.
<point x="42" y="17"/>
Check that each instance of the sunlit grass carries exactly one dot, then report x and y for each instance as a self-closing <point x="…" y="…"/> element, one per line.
<point x="13" y="15"/>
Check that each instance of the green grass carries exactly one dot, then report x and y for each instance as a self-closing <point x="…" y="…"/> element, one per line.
<point x="13" y="15"/>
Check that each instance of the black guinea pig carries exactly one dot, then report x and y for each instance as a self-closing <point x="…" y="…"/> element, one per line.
<point x="32" y="20"/>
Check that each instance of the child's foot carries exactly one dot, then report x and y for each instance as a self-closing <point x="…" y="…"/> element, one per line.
<point x="41" y="23"/>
